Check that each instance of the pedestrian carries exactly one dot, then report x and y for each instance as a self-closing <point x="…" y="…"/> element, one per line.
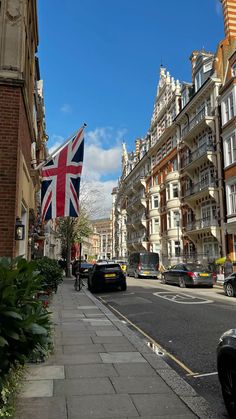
<point x="228" y="267"/>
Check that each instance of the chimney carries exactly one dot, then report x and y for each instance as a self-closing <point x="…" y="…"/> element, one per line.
<point x="137" y="146"/>
<point x="229" y="12"/>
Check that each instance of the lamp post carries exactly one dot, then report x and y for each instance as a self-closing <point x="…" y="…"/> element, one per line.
<point x="177" y="219"/>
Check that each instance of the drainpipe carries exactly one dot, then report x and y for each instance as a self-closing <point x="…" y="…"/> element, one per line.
<point x="220" y="165"/>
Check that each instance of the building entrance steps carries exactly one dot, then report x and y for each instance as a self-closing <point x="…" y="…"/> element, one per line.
<point x="100" y="369"/>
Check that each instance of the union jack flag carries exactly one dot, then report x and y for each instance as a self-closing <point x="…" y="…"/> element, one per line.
<point x="61" y="180"/>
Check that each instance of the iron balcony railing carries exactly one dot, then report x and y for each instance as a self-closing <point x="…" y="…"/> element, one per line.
<point x="202" y="223"/>
<point x="200" y="151"/>
<point x="205" y="111"/>
<point x="200" y="186"/>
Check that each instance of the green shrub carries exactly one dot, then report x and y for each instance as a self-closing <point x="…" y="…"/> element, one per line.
<point x="24" y="323"/>
<point x="50" y="272"/>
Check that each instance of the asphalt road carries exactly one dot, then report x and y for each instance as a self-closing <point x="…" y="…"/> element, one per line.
<point x="185" y="324"/>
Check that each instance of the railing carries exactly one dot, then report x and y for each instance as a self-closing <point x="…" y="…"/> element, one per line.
<point x="200" y="186"/>
<point x="200" y="224"/>
<point x="206" y="111"/>
<point x="200" y="151"/>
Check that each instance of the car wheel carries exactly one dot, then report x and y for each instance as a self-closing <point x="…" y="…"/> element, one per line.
<point x="123" y="287"/>
<point x="228" y="386"/>
<point x="163" y="279"/>
<point x="229" y="290"/>
<point x="182" y="283"/>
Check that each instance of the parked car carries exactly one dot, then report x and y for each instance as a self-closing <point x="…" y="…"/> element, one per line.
<point x="185" y="274"/>
<point x="106" y="274"/>
<point x="143" y="265"/>
<point x="230" y="285"/>
<point x="226" y="366"/>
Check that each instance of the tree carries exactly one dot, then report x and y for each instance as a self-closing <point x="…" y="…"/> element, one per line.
<point x="73" y="230"/>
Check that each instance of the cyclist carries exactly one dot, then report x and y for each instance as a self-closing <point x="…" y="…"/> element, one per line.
<point x="76" y="273"/>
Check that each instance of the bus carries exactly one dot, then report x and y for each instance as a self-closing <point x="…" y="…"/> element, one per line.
<point x="143" y="264"/>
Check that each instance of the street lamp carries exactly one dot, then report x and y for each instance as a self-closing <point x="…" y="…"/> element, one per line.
<point x="19" y="229"/>
<point x="177" y="220"/>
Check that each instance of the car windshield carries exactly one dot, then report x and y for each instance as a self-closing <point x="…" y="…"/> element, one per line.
<point x="194" y="267"/>
<point x="108" y="267"/>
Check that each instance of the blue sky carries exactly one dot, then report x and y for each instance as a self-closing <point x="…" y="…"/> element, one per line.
<point x="100" y="61"/>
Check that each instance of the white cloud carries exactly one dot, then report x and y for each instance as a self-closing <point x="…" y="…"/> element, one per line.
<point x="66" y="108"/>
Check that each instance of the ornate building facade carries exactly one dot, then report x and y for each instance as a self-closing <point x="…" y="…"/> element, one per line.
<point x="22" y="126"/>
<point x="178" y="189"/>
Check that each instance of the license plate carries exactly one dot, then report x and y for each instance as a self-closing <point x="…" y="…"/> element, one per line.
<point x="110" y="275"/>
<point x="204" y="274"/>
<point x="146" y="272"/>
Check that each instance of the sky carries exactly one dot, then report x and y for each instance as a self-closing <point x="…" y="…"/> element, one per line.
<point x="100" y="62"/>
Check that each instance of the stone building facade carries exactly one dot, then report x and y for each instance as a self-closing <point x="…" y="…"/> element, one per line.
<point x="22" y="127"/>
<point x="185" y="179"/>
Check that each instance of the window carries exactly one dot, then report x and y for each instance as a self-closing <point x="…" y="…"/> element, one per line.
<point x="168" y="192"/>
<point x="176" y="218"/>
<point x="177" y="248"/>
<point x="232" y="199"/>
<point x="155" y="201"/>
<point x="175" y="190"/>
<point x="198" y="80"/>
<point x="234" y="70"/>
<point x="156" y="225"/>
<point x="207" y="67"/>
<point x="210" y="248"/>
<point x="174" y="165"/>
<point x="230" y="150"/>
<point x="169" y="219"/>
<point x="228" y="108"/>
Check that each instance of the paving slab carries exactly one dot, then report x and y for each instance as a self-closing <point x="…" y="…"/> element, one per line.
<point x="108" y="333"/>
<point x="78" y="359"/>
<point x="38" y="408"/>
<point x="150" y="404"/>
<point x="114" y="357"/>
<point x="100" y="407"/>
<point x="116" y="347"/>
<point x="43" y="372"/>
<point x="111" y="339"/>
<point x="140" y="385"/>
<point x="83" y="386"/>
<point x="37" y="388"/>
<point x="81" y="340"/>
<point x="83" y="349"/>
<point x="134" y="370"/>
<point x="90" y="370"/>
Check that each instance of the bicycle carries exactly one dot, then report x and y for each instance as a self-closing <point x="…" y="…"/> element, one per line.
<point x="78" y="282"/>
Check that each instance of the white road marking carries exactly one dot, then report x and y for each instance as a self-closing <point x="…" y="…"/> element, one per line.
<point x="205" y="375"/>
<point x="179" y="298"/>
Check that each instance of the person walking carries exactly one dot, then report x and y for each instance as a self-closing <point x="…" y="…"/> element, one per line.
<point x="228" y="267"/>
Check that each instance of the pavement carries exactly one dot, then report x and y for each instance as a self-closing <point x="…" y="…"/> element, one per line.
<point x="102" y="369"/>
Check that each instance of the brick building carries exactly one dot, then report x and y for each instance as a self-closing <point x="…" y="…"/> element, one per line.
<point x="22" y="128"/>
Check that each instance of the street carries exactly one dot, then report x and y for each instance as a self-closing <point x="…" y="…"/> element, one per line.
<point x="183" y="325"/>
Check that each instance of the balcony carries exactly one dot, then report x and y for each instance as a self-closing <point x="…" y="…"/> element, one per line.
<point x="195" y="158"/>
<point x="201" y="187"/>
<point x="204" y="223"/>
<point x="203" y="116"/>
<point x="171" y="176"/>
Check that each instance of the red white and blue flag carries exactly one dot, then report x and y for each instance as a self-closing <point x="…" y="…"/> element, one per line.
<point x="61" y="180"/>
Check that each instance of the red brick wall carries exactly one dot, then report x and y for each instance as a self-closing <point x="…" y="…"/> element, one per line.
<point x="13" y="136"/>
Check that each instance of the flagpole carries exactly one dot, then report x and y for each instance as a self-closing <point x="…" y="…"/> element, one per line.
<point x="51" y="156"/>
